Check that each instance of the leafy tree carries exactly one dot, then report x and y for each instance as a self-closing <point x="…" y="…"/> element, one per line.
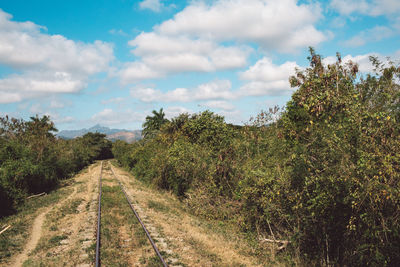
<point x="153" y="123"/>
<point x="33" y="160"/>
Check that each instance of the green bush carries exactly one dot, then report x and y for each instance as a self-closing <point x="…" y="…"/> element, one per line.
<point x="32" y="160"/>
<point x="323" y="173"/>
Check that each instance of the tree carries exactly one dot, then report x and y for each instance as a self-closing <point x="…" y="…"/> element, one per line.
<point x="153" y="123"/>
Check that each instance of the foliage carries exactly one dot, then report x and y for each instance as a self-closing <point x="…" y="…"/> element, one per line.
<point x="322" y="173"/>
<point x="153" y="123"/>
<point x="33" y="160"/>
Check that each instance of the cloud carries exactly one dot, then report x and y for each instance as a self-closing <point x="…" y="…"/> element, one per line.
<point x="46" y="63"/>
<point x="263" y="78"/>
<point x="9" y="97"/>
<point x="364" y="64"/>
<point x="110" y="117"/>
<point x="219" y="104"/>
<point x="137" y="71"/>
<point x="218" y="89"/>
<point x="118" y="32"/>
<point x="213" y="36"/>
<point x="266" y="78"/>
<point x="374" y="34"/>
<point x="371" y="8"/>
<point x="281" y="25"/>
<point x="172" y="112"/>
<point x="154" y="5"/>
<point x="15" y="88"/>
<point x="161" y="55"/>
<point x="115" y="100"/>
<point x="57" y="104"/>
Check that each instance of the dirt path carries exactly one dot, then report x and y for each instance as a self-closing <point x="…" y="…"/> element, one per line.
<point x="36" y="233"/>
<point x="66" y="230"/>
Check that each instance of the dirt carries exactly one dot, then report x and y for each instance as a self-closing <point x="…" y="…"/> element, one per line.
<point x="74" y="224"/>
<point x="36" y="233"/>
<point x="64" y="235"/>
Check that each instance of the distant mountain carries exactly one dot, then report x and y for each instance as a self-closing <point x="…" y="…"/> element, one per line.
<point x="127" y="136"/>
<point x="112" y="134"/>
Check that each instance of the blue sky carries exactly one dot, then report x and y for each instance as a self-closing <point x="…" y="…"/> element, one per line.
<point x="113" y="62"/>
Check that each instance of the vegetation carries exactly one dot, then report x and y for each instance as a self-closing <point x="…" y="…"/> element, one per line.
<point x="33" y="160"/>
<point x="153" y="123"/>
<point x="322" y="173"/>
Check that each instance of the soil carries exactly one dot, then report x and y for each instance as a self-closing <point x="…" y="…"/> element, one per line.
<point x="64" y="235"/>
<point x="77" y="224"/>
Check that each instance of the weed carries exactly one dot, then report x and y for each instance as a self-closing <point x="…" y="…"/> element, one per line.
<point x="158" y="206"/>
<point x="55" y="240"/>
<point x="13" y="240"/>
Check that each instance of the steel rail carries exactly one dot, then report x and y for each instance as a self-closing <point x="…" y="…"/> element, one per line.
<point x="98" y="221"/>
<point x="140" y="221"/>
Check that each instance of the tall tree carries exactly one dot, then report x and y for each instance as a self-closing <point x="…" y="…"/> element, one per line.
<point x="153" y="123"/>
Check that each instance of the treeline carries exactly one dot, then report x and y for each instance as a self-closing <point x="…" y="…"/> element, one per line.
<point x="323" y="173"/>
<point x="33" y="160"/>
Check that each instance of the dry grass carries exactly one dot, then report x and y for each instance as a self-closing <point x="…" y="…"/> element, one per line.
<point x="13" y="240"/>
<point x="196" y="242"/>
<point x="69" y="225"/>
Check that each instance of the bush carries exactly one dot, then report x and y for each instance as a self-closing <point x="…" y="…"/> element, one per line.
<point x="323" y="173"/>
<point x="32" y="160"/>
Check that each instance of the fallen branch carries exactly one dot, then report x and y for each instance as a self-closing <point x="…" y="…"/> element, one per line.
<point x="38" y="195"/>
<point x="5" y="229"/>
<point x="283" y="242"/>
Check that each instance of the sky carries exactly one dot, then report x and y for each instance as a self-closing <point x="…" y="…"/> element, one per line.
<point x="112" y="62"/>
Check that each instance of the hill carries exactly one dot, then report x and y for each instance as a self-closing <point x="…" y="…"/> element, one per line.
<point x="112" y="134"/>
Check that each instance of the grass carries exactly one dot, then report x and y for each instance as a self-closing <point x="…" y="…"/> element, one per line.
<point x="55" y="240"/>
<point x="204" y="236"/>
<point x="13" y="240"/>
<point x="118" y="225"/>
<point x="158" y="206"/>
<point x="71" y="207"/>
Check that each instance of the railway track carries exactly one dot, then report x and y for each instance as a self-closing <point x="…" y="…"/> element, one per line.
<point x="98" y="238"/>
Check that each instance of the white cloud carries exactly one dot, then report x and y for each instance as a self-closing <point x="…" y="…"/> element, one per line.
<point x="374" y="34"/>
<point x="115" y="100"/>
<point x="266" y="70"/>
<point x="9" y="97"/>
<point x="161" y="55"/>
<point x="372" y="8"/>
<point x="57" y="104"/>
<point x="154" y="5"/>
<point x="172" y="112"/>
<point x="281" y="25"/>
<point x="118" y="32"/>
<point x="136" y="71"/>
<point x="266" y="78"/>
<point x="220" y="104"/>
<point x="218" y="89"/>
<point x="364" y="64"/>
<point x="110" y="117"/>
<point x="346" y="7"/>
<point x="61" y="120"/>
<point x="47" y="63"/>
<point x="263" y="78"/>
<point x="273" y="88"/>
<point x="196" y="39"/>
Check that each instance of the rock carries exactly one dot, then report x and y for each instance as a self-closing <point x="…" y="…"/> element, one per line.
<point x="64" y="242"/>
